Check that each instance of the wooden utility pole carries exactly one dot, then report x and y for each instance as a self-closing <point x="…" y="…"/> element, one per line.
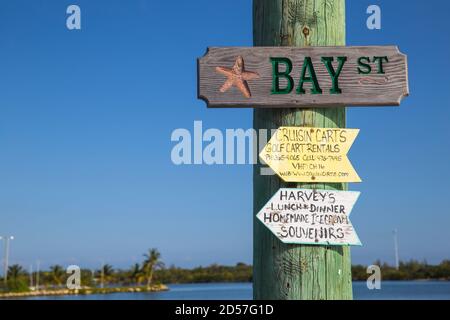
<point x="283" y="271"/>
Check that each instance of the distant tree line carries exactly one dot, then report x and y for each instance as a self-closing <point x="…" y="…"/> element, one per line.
<point x="241" y="272"/>
<point x="153" y="271"/>
<point x="411" y="270"/>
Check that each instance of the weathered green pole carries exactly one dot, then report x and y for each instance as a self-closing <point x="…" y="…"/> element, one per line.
<point x="297" y="271"/>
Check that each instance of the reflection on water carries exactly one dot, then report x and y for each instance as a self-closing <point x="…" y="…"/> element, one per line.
<point x="390" y="290"/>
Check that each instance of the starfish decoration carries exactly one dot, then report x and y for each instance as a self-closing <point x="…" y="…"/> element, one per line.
<point x="237" y="76"/>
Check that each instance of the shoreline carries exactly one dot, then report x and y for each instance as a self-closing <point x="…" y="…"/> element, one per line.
<point x="354" y="280"/>
<point x="154" y="288"/>
<point x="82" y="291"/>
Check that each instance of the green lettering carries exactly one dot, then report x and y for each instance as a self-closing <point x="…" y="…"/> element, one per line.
<point x="277" y="74"/>
<point x="380" y="63"/>
<point x="365" y="65"/>
<point x="328" y="62"/>
<point x="308" y="66"/>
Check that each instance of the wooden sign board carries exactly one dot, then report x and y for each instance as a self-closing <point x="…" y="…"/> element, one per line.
<point x="301" y="154"/>
<point x="283" y="77"/>
<point x="315" y="217"/>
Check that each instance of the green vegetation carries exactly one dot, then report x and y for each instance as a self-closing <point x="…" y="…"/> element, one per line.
<point x="104" y="280"/>
<point x="16" y="282"/>
<point x="151" y="273"/>
<point x="151" y="263"/>
<point x="214" y="273"/>
<point x="412" y="270"/>
<point x="57" y="275"/>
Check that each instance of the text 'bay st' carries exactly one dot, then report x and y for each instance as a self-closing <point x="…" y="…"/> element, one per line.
<point x="295" y="77"/>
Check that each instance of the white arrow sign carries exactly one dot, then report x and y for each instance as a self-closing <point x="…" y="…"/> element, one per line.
<point x="316" y="217"/>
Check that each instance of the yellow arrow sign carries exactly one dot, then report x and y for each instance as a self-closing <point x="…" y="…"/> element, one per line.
<point x="300" y="154"/>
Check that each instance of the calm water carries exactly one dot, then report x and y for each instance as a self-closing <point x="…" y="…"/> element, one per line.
<point x="414" y="290"/>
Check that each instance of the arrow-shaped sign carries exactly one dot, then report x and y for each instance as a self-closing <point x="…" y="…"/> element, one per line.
<point x="315" y="217"/>
<point x="300" y="154"/>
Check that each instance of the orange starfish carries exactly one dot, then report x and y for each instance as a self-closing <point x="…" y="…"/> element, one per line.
<point x="237" y="76"/>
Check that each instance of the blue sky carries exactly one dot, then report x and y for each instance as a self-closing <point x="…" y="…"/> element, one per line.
<point x="86" y="118"/>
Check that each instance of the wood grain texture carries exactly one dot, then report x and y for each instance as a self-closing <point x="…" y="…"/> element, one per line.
<point x="283" y="271"/>
<point x="372" y="89"/>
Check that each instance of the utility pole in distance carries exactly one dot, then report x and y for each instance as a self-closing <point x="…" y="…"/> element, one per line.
<point x="102" y="275"/>
<point x="38" y="266"/>
<point x="285" y="271"/>
<point x="31" y="275"/>
<point x="397" y="262"/>
<point x="6" y="261"/>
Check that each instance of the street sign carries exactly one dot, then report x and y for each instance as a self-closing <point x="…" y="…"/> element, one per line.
<point x="315" y="217"/>
<point x="301" y="154"/>
<point x="285" y="77"/>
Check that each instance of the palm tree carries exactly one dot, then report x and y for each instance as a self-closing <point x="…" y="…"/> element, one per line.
<point x="16" y="277"/>
<point x="151" y="263"/>
<point x="15" y="271"/>
<point x="136" y="273"/>
<point x="106" y="272"/>
<point x="57" y="274"/>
